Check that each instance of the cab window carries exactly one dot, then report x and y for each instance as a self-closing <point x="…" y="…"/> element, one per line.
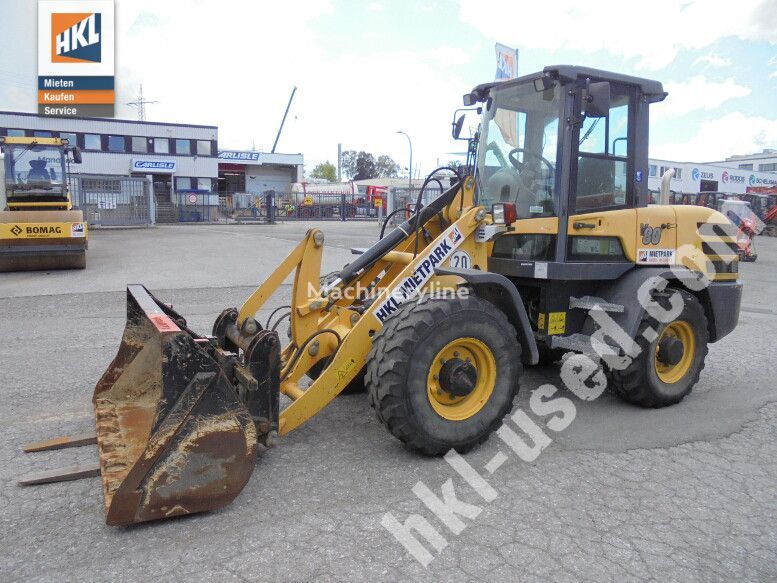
<point x="518" y="149"/>
<point x="603" y="152"/>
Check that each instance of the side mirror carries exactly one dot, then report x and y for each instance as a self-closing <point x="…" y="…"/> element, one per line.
<point x="596" y="99"/>
<point x="457" y="125"/>
<point x="469" y="100"/>
<point x="76" y="154"/>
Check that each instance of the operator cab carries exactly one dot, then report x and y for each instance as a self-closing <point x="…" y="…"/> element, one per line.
<point x="34" y="171"/>
<point x="563" y="142"/>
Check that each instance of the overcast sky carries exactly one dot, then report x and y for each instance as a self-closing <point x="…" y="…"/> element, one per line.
<point x="366" y="69"/>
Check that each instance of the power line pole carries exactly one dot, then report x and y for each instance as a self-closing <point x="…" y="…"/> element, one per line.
<point x="339" y="162"/>
<point x="140" y="103"/>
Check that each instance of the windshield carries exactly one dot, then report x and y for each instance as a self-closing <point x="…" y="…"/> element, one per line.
<point x="518" y="149"/>
<point x="32" y="168"/>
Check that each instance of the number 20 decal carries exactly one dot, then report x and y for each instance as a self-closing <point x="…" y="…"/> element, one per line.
<point x="461" y="260"/>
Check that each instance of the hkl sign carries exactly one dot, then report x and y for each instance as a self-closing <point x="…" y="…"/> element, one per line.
<point x="76" y="38"/>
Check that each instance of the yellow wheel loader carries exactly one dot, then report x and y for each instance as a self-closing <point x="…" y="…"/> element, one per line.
<point x="38" y="227"/>
<point x="546" y="244"/>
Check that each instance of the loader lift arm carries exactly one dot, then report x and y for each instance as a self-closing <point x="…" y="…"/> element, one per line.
<point x="181" y="417"/>
<point x="334" y="323"/>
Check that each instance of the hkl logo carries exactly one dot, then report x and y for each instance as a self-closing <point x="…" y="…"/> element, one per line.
<point x="76" y="38"/>
<point x="752" y="179"/>
<point x="695" y="174"/>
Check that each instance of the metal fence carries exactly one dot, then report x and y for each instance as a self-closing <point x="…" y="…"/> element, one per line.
<point x="130" y="201"/>
<point x="298" y="206"/>
<point x="112" y="200"/>
<point x="194" y="206"/>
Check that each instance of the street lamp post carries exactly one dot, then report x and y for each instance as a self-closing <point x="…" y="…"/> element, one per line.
<point x="410" y="164"/>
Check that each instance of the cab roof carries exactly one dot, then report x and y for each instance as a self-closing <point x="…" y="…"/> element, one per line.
<point x="652" y="90"/>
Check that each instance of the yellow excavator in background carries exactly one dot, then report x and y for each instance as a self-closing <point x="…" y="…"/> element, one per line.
<point x="545" y="244"/>
<point x="39" y="229"/>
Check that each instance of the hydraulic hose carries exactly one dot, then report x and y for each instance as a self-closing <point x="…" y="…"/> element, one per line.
<point x="383" y="246"/>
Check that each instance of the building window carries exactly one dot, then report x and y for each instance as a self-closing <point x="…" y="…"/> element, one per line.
<point x="183" y="183"/>
<point x="768" y="167"/>
<point x="161" y="146"/>
<point x="41" y="134"/>
<point x="203" y="148"/>
<point x="116" y="144"/>
<point x="139" y="144"/>
<point x="183" y="147"/>
<point x="652" y="170"/>
<point x="745" y="166"/>
<point x="678" y="173"/>
<point x="71" y="138"/>
<point x="204" y="184"/>
<point x="15" y="133"/>
<point x="92" y="142"/>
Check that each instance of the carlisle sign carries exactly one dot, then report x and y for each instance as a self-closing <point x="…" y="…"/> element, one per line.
<point x="154" y="166"/>
<point x="238" y="156"/>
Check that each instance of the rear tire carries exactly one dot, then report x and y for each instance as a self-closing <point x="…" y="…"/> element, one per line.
<point x="405" y="372"/>
<point x="647" y="381"/>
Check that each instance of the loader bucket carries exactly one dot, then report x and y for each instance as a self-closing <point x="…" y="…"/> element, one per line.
<point x="173" y="437"/>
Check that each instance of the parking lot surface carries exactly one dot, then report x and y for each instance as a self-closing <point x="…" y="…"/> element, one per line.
<point x="685" y="493"/>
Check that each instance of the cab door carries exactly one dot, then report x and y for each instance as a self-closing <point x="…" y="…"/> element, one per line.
<point x="602" y="220"/>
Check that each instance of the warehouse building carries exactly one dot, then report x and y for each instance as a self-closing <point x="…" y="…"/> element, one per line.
<point x="244" y="175"/>
<point x="764" y="161"/>
<point x="176" y="159"/>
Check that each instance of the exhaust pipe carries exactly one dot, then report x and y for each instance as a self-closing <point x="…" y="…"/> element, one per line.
<point x="666" y="180"/>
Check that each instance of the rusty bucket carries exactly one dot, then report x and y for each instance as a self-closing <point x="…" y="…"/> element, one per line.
<point x="173" y="437"/>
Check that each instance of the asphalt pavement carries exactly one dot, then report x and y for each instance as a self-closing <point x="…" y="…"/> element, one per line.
<point x="685" y="493"/>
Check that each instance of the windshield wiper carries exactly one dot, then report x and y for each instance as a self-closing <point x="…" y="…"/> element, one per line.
<point x="588" y="133"/>
<point x="29" y="147"/>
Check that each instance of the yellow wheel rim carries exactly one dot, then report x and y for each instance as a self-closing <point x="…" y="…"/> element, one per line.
<point x="672" y="373"/>
<point x="480" y="356"/>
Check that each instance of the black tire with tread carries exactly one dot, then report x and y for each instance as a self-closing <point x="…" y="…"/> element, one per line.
<point x="397" y="373"/>
<point x="639" y="384"/>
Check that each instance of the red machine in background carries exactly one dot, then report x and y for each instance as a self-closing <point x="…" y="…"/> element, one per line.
<point x="376" y="197"/>
<point x="746" y="221"/>
<point x="763" y="201"/>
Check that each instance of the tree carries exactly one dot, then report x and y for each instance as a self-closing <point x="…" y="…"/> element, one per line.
<point x="386" y="167"/>
<point x="348" y="163"/>
<point x="456" y="165"/>
<point x="326" y="171"/>
<point x="361" y="165"/>
<point x="365" y="166"/>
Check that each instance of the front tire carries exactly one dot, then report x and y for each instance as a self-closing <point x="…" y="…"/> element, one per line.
<point x="654" y="379"/>
<point x="443" y="373"/>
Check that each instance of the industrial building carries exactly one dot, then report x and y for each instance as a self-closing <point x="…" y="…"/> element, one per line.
<point x="183" y="169"/>
<point x="244" y="175"/>
<point x="764" y="161"/>
<point x="692" y="177"/>
<point x="176" y="156"/>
